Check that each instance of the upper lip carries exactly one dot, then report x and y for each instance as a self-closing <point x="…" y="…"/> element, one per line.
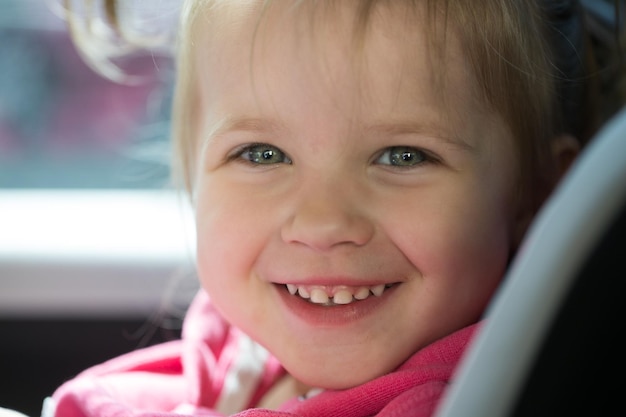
<point x="337" y="281"/>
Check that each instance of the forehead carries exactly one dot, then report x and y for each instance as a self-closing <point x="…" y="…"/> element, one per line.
<point x="381" y="59"/>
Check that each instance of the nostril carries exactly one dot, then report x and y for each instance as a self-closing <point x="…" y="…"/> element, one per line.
<point x="323" y="230"/>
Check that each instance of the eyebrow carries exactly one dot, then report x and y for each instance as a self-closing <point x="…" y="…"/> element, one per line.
<point x="242" y="124"/>
<point x="264" y="125"/>
<point x="430" y="130"/>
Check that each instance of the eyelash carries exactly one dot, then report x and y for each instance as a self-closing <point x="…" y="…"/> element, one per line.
<point x="244" y="154"/>
<point x="424" y="157"/>
<point x="239" y="154"/>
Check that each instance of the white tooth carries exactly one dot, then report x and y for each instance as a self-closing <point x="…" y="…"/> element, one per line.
<point x="303" y="292"/>
<point x="319" y="296"/>
<point x="362" y="293"/>
<point x="292" y="289"/>
<point x="342" y="297"/>
<point x="378" y="290"/>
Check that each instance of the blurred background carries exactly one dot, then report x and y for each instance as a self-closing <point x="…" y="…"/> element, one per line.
<point x="64" y="126"/>
<point x="96" y="249"/>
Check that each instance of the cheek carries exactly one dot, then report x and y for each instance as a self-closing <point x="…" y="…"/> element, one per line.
<point x="460" y="249"/>
<point x="222" y="264"/>
<point x="232" y="231"/>
<point x="225" y="235"/>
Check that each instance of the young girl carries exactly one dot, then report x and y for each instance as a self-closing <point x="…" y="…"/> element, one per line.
<point x="362" y="173"/>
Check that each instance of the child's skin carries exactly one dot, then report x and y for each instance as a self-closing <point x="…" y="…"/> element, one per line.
<point x="331" y="171"/>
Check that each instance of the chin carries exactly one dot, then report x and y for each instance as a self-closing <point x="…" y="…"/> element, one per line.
<point x="337" y="379"/>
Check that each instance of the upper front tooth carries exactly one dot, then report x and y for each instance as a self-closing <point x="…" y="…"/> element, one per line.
<point x="342" y="297"/>
<point x="362" y="293"/>
<point x="378" y="290"/>
<point x="319" y="296"/>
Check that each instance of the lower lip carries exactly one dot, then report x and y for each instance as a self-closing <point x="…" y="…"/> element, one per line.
<point x="332" y="316"/>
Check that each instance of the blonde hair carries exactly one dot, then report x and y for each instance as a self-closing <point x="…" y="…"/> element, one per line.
<point x="505" y="44"/>
<point x="508" y="56"/>
<point x="105" y="30"/>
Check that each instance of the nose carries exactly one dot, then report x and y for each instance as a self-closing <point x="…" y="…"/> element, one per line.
<point x="327" y="214"/>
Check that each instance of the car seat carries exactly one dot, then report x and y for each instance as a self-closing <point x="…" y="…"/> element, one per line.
<point x="551" y="342"/>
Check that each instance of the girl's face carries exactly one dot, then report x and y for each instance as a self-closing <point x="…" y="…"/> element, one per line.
<point x="351" y="209"/>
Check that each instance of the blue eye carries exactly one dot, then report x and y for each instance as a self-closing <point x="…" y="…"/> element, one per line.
<point x="263" y="154"/>
<point x="402" y="156"/>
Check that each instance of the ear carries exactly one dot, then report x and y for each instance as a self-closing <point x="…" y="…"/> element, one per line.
<point x="565" y="149"/>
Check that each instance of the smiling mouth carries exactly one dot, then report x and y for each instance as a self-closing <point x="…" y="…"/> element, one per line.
<point x="336" y="295"/>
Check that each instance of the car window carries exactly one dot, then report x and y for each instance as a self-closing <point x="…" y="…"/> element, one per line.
<point x="62" y="125"/>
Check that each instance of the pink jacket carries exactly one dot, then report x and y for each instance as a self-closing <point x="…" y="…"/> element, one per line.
<point x="216" y="370"/>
